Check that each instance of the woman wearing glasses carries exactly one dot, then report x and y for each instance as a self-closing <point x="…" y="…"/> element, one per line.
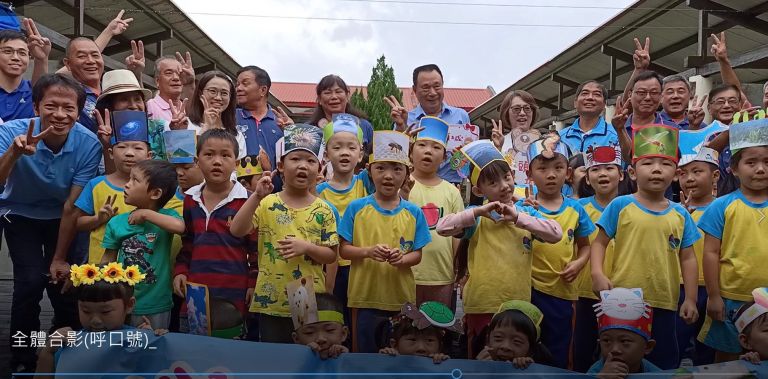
<point x="213" y="106"/>
<point x="518" y="113"/>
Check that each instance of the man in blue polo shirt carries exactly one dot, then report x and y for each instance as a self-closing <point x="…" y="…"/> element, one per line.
<point x="428" y="88"/>
<point x="15" y="52"/>
<point x="44" y="164"/>
<point x="675" y="96"/>
<point x="84" y="61"/>
<point x="590" y="128"/>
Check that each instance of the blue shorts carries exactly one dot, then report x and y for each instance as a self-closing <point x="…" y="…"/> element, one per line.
<point x="722" y="335"/>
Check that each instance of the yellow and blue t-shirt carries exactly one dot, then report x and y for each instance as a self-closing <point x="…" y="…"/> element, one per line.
<point x="361" y="186"/>
<point x="499" y="264"/>
<point x="742" y="228"/>
<point x="379" y="285"/>
<point x="92" y="198"/>
<point x="436" y="266"/>
<point x="550" y="259"/>
<point x="584" y="280"/>
<point x="647" y="247"/>
<point x="698" y="247"/>
<point x="275" y="221"/>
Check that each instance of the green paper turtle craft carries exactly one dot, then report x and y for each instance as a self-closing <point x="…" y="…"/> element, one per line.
<point x="432" y="313"/>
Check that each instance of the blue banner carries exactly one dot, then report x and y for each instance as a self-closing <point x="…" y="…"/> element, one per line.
<point x="177" y="356"/>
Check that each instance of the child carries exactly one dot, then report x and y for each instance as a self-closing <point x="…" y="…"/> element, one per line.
<point x="513" y="336"/>
<point x="343" y="139"/>
<point x="102" y="198"/>
<point x="420" y="331"/>
<point x="210" y="254"/>
<point x="604" y="174"/>
<point x="104" y="299"/>
<point x="498" y="242"/>
<point x="653" y="239"/>
<point x="249" y="171"/>
<point x="624" y="320"/>
<point x="382" y="235"/>
<point x="556" y="266"/>
<point x="326" y="336"/>
<point x="434" y="275"/>
<point x="752" y="324"/>
<point x="296" y="231"/>
<point x="698" y="177"/>
<point x="736" y="238"/>
<point x="143" y="238"/>
<point x="578" y="172"/>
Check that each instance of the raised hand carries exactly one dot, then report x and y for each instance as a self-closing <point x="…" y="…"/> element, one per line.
<point x="117" y="26"/>
<point x="264" y="185"/>
<point x="179" y="120"/>
<point x="27" y="144"/>
<point x="642" y="56"/>
<point x="187" y="70"/>
<point x="508" y="212"/>
<point x="621" y="115"/>
<point x="398" y="114"/>
<point x="412" y="131"/>
<point x="719" y="49"/>
<point x="696" y="112"/>
<point x="211" y="115"/>
<point x="39" y="46"/>
<point x="136" y="61"/>
<point x="685" y="201"/>
<point x="497" y="134"/>
<point x="108" y="210"/>
<point x="405" y="189"/>
<point x="283" y="119"/>
<point x="530" y="196"/>
<point x="105" y="126"/>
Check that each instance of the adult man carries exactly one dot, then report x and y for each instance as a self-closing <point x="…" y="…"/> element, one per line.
<point x="255" y="117"/>
<point x="428" y="88"/>
<point x="84" y="61"/>
<point x="590" y="128"/>
<point x="45" y="163"/>
<point x="675" y="96"/>
<point x="15" y="52"/>
<point x="174" y="77"/>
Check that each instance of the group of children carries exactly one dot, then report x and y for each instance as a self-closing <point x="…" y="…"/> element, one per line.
<point x="390" y="240"/>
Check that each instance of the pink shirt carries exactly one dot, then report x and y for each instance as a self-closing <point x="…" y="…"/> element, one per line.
<point x="159" y="109"/>
<point x="548" y="230"/>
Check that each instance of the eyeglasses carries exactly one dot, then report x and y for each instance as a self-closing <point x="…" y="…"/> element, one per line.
<point x="732" y="101"/>
<point x="525" y="108"/>
<point x="212" y="92"/>
<point x="23" y="53"/>
<point x="643" y="94"/>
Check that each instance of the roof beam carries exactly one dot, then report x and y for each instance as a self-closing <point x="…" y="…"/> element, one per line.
<point x="148" y="39"/>
<point x="746" y="59"/>
<point x="564" y="81"/>
<point x="205" y="68"/>
<point x="730" y="14"/>
<point x="627" y="57"/>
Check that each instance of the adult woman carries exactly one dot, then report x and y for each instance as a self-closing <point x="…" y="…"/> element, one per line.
<point x="333" y="97"/>
<point x="213" y="106"/>
<point x="514" y="134"/>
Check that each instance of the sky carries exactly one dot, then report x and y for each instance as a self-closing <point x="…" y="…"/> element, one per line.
<point x="476" y="43"/>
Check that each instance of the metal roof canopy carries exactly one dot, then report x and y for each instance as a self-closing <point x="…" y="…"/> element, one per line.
<point x="160" y="24"/>
<point x="679" y="32"/>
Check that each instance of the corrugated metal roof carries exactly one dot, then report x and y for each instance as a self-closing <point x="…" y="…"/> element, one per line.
<point x="303" y="94"/>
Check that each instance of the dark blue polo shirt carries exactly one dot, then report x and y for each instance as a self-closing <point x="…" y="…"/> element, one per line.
<point x="260" y="134"/>
<point x="17" y="103"/>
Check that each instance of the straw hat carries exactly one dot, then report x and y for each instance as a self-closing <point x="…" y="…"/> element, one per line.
<point x="119" y="81"/>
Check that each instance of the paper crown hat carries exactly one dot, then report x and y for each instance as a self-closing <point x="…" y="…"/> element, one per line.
<point x="390" y="146"/>
<point x="528" y="309"/>
<point x="478" y="155"/>
<point x="301" y="137"/>
<point x="705" y="154"/>
<point x="435" y="129"/>
<point x="602" y="155"/>
<point x="429" y="313"/>
<point x="624" y="308"/>
<point x="748" y="133"/>
<point x="343" y="122"/>
<point x="655" y="141"/>
<point x="180" y="146"/>
<point x="250" y="165"/>
<point x="759" y="308"/>
<point x="129" y="126"/>
<point x="547" y="146"/>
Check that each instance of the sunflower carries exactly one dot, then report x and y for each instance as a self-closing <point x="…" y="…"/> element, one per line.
<point x="133" y="275"/>
<point x="74" y="276"/>
<point x="113" y="273"/>
<point x="89" y="274"/>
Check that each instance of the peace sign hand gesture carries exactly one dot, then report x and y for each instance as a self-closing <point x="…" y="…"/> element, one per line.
<point x="39" y="46"/>
<point x="685" y="201"/>
<point x="117" y="26"/>
<point x="719" y="49"/>
<point x="696" y="112"/>
<point x="187" y="70"/>
<point x="136" y="62"/>
<point x="642" y="56"/>
<point x="179" y="120"/>
<point x="398" y="114"/>
<point x="27" y="144"/>
<point x="105" y="127"/>
<point x="497" y="134"/>
<point x="283" y="119"/>
<point x="621" y="115"/>
<point x="108" y="210"/>
<point x="211" y="115"/>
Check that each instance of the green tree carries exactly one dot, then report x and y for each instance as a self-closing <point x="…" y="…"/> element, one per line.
<point x="382" y="84"/>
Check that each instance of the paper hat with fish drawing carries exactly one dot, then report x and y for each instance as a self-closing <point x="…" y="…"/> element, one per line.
<point x="602" y="155"/>
<point x="180" y="146"/>
<point x="301" y="137"/>
<point x="129" y="126"/>
<point x="478" y="155"/>
<point x="653" y="141"/>
<point x="748" y="133"/>
<point x="624" y="308"/>
<point x="390" y="146"/>
<point x="547" y="146"/>
<point x="435" y="129"/>
<point x="343" y="123"/>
